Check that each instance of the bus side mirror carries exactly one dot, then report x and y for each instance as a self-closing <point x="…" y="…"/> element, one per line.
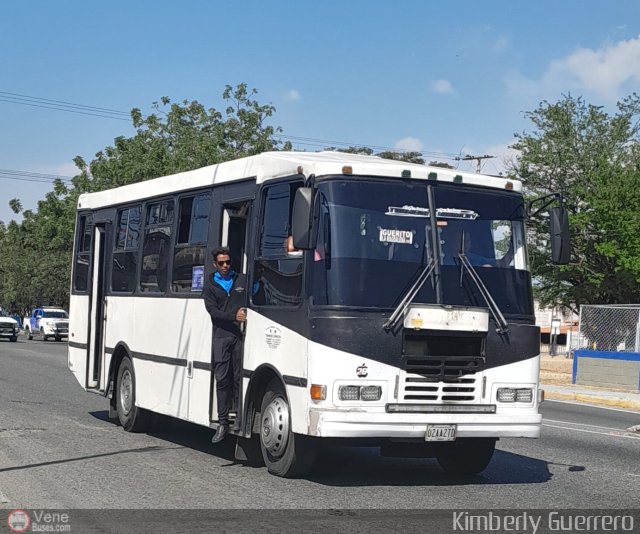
<point x="560" y="240"/>
<point x="302" y="219"/>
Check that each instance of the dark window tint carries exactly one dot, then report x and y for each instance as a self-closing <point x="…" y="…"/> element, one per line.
<point x="83" y="252"/>
<point x="55" y="314"/>
<point x="275" y="221"/>
<point x="125" y="254"/>
<point x="278" y="273"/>
<point x="194" y="219"/>
<point x="156" y="247"/>
<point x="189" y="253"/>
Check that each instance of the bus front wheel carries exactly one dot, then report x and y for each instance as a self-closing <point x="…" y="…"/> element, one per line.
<point x="285" y="453"/>
<point x="467" y="456"/>
<point x="131" y="417"/>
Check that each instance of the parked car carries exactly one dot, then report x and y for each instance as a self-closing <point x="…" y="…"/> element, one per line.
<point x="47" y="322"/>
<point x="8" y="327"/>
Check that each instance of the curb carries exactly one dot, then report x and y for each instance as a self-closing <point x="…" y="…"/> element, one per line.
<point x="592" y="399"/>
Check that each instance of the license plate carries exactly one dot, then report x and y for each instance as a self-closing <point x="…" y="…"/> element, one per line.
<point x="440" y="433"/>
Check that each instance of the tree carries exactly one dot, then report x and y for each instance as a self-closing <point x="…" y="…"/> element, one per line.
<point x="409" y="157"/>
<point x="35" y="255"/>
<point x="441" y="164"/>
<point x="593" y="158"/>
<point x="364" y="150"/>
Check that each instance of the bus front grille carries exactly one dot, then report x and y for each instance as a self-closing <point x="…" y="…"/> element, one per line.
<point x="444" y="379"/>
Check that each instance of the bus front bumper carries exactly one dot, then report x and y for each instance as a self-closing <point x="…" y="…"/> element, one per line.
<point x="360" y="424"/>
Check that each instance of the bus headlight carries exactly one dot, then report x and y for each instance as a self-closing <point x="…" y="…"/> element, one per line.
<point x="371" y="393"/>
<point x="506" y="395"/>
<point x="524" y="395"/>
<point x="349" y="393"/>
<point x="354" y="393"/>
<point x="515" y="395"/>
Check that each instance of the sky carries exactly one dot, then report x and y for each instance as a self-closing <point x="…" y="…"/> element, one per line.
<point x="447" y="78"/>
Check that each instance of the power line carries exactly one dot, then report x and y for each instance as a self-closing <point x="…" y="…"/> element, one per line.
<point x="323" y="142"/>
<point x="477" y="159"/>
<point x="28" y="176"/>
<point x="63" y="102"/>
<point x="104" y="116"/>
<point x="107" y="113"/>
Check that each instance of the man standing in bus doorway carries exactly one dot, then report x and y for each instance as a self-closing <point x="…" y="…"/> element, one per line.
<point x="225" y="298"/>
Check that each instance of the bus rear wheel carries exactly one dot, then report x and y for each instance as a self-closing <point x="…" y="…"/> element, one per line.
<point x="285" y="453"/>
<point x="131" y="417"/>
<point x="466" y="456"/>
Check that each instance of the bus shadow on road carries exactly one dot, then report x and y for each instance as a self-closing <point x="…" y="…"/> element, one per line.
<point x="183" y="433"/>
<point x="363" y="466"/>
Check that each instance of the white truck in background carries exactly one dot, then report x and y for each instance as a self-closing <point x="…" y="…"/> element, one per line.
<point x="47" y="322"/>
<point x="9" y="327"/>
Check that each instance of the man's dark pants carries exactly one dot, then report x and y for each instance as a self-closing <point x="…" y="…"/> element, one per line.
<point x="227" y="369"/>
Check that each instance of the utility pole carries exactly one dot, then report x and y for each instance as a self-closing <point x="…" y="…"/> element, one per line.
<point x="477" y="159"/>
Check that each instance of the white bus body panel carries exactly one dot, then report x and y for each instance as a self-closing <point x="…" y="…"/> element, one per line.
<point x="268" y="342"/>
<point x="335" y="418"/>
<point x="153" y="328"/>
<point x="78" y="337"/>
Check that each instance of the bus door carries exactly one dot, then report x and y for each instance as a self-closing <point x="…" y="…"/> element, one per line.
<point x="95" y="349"/>
<point x="230" y="227"/>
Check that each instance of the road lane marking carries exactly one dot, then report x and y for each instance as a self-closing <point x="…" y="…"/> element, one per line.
<point x="602" y="407"/>
<point x="593" y="431"/>
<point x="3" y="499"/>
<point x="584" y="424"/>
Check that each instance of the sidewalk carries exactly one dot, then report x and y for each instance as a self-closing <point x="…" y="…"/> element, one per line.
<point x="555" y="379"/>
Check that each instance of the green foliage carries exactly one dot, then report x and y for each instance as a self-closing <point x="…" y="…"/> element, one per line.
<point x="35" y="255"/>
<point x="592" y="157"/>
<point x="409" y="157"/>
<point x="441" y="164"/>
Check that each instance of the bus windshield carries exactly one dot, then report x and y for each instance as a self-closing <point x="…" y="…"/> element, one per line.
<point x="376" y="236"/>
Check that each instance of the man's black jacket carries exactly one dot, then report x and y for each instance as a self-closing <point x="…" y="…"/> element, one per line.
<point x="222" y="307"/>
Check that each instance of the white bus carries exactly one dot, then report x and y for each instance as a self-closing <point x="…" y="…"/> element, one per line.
<point x="404" y="319"/>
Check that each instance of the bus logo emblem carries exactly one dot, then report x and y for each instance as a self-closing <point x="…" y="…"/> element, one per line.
<point x="362" y="371"/>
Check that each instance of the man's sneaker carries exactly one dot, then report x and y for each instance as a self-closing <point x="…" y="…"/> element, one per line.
<point x="220" y="433"/>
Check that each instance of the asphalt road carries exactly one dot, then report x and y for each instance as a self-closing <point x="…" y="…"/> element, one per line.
<point x="57" y="450"/>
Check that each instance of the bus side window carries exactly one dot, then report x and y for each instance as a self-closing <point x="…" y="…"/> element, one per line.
<point x="83" y="252"/>
<point x="278" y="273"/>
<point x="156" y="247"/>
<point x="189" y="252"/>
<point x="125" y="252"/>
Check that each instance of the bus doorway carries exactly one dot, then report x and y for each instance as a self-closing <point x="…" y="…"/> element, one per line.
<point x="97" y="316"/>
<point x="231" y="216"/>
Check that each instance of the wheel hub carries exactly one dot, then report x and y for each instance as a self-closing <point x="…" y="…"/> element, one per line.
<point x="126" y="390"/>
<point x="274" y="428"/>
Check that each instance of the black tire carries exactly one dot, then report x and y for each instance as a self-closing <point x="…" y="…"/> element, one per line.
<point x="285" y="453"/>
<point x="249" y="452"/>
<point x="13" y="339"/>
<point x="466" y="456"/>
<point x="44" y="338"/>
<point x="112" y="414"/>
<point x="29" y="334"/>
<point x="132" y="418"/>
<point x="58" y="338"/>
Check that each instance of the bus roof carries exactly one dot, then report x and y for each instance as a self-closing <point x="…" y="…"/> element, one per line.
<point x="271" y="165"/>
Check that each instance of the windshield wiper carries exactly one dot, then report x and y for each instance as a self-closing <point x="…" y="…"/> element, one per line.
<point x="503" y="326"/>
<point x="411" y="293"/>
